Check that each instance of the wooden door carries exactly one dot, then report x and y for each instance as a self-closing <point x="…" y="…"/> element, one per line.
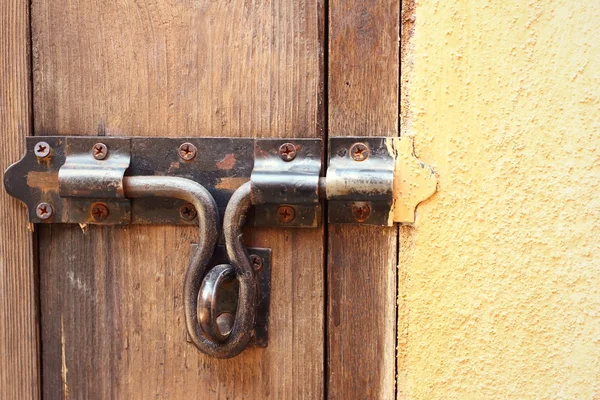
<point x="100" y="311"/>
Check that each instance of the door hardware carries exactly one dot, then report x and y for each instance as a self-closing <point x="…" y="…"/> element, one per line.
<point x="267" y="182"/>
<point x="218" y="297"/>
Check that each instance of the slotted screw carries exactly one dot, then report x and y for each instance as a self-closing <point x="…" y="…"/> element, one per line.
<point x="188" y="212"/>
<point x="41" y="149"/>
<point x="43" y="211"/>
<point x="100" y="151"/>
<point x="187" y="151"/>
<point x="287" y="151"/>
<point x="99" y="212"/>
<point x="361" y="211"/>
<point x="286" y="214"/>
<point x="359" y="152"/>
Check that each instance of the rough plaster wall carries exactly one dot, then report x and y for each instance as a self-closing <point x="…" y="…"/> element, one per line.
<point x="500" y="277"/>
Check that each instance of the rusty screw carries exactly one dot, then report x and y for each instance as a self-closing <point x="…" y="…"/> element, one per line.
<point x="359" y="152"/>
<point x="187" y="151"/>
<point x="100" y="151"/>
<point x="287" y="151"/>
<point x="43" y="211"/>
<point x="257" y="262"/>
<point x="99" y="212"/>
<point x="42" y="149"/>
<point x="361" y="211"/>
<point x="286" y="214"/>
<point x="187" y="212"/>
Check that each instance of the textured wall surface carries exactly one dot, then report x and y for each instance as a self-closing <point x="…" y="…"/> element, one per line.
<point x="500" y="277"/>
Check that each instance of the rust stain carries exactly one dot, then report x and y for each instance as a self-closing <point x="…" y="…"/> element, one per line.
<point x="231" y="183"/>
<point x="46" y="181"/>
<point x="174" y="166"/>
<point x="227" y="162"/>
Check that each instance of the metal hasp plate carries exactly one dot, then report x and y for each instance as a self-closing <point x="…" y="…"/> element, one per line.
<point x="86" y="183"/>
<point x="79" y="179"/>
<point x="369" y="180"/>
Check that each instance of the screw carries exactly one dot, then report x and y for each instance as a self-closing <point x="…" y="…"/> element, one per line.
<point x="287" y="151"/>
<point x="100" y="151"/>
<point x="99" y="212"/>
<point x="187" y="212"/>
<point x="257" y="261"/>
<point x="43" y="211"/>
<point x="286" y="214"/>
<point x="361" y="211"/>
<point x="187" y="151"/>
<point x="359" y="152"/>
<point x="42" y="149"/>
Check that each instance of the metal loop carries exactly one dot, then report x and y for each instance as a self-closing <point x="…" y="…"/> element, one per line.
<point x="217" y="316"/>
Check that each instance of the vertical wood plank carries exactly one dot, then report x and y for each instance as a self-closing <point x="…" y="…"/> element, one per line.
<point x="363" y="100"/>
<point x="19" y="361"/>
<point x="112" y="312"/>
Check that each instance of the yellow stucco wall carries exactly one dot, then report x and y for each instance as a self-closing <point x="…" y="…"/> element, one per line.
<point x="500" y="277"/>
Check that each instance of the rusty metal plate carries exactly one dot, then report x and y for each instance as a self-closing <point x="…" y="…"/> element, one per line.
<point x="221" y="165"/>
<point x="35" y="180"/>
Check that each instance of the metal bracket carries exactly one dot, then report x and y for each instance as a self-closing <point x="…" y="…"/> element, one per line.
<point x="369" y="180"/>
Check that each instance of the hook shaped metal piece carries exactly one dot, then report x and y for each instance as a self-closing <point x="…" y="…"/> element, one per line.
<point x="219" y="346"/>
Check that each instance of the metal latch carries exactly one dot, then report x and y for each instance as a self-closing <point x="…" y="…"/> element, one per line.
<point x="267" y="182"/>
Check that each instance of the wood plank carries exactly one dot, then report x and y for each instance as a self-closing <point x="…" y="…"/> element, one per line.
<point x="361" y="264"/>
<point x="112" y="312"/>
<point x="19" y="336"/>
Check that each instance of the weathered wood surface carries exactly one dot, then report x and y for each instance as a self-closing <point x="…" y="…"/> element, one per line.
<point x="363" y="100"/>
<point x="19" y="361"/>
<point x="111" y="298"/>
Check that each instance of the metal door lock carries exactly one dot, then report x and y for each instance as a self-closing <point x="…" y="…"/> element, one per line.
<point x="269" y="182"/>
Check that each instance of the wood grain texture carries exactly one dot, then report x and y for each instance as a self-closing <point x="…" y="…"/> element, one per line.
<point x="19" y="338"/>
<point x="363" y="100"/>
<point x="112" y="312"/>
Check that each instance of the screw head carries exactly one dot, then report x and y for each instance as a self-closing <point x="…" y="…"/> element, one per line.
<point x="286" y="214"/>
<point x="257" y="262"/>
<point x="187" y="151"/>
<point x="99" y="212"/>
<point x="41" y="149"/>
<point x="43" y="211"/>
<point x="361" y="211"/>
<point x="100" y="151"/>
<point x="359" y="152"/>
<point x="187" y="212"/>
<point x="287" y="151"/>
